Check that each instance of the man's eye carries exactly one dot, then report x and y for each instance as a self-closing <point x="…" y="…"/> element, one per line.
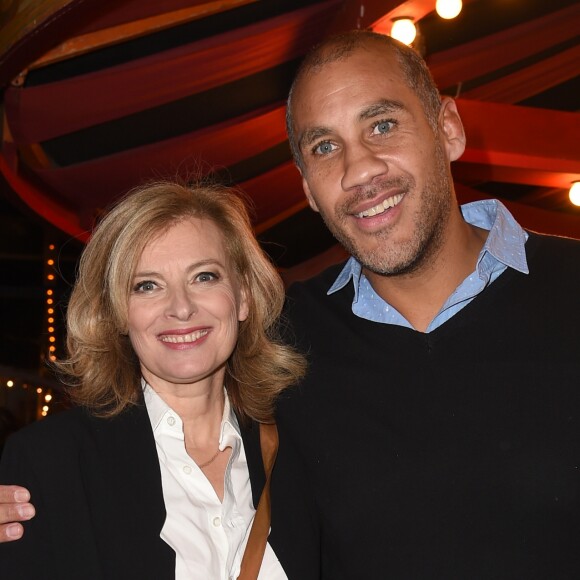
<point x="382" y="127"/>
<point x="145" y="286"/>
<point x="324" y="148"/>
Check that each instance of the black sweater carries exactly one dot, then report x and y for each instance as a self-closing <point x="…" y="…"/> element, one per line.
<point x="448" y="455"/>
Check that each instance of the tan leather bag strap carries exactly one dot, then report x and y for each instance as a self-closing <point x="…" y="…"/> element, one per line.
<point x="256" y="546"/>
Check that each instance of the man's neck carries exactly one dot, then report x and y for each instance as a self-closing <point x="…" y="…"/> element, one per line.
<point x="420" y="295"/>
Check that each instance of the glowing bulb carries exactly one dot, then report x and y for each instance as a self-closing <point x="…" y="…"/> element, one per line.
<point x="574" y="193"/>
<point x="448" y="8"/>
<point x="48" y="398"/>
<point x="50" y="310"/>
<point x="39" y="390"/>
<point x="50" y="262"/>
<point x="10" y="384"/>
<point x="404" y="30"/>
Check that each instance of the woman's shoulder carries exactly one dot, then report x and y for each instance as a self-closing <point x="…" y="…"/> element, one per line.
<point x="65" y="427"/>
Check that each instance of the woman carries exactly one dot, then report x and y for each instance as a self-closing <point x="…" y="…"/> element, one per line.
<point x="172" y="353"/>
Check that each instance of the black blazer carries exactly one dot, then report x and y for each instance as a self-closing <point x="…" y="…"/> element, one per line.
<point x="96" y="486"/>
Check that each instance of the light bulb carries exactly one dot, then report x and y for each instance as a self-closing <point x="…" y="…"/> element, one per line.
<point x="404" y="30"/>
<point x="574" y="193"/>
<point x="448" y="8"/>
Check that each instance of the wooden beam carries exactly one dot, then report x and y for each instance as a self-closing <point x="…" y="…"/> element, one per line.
<point x="540" y="146"/>
<point x="122" y="32"/>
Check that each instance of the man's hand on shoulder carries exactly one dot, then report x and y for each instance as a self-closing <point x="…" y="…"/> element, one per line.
<point x="14" y="508"/>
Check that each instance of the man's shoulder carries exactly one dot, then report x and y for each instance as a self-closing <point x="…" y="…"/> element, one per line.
<point x="551" y="241"/>
<point x="556" y="253"/>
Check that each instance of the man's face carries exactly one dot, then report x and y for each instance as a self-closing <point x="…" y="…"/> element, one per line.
<point x="372" y="165"/>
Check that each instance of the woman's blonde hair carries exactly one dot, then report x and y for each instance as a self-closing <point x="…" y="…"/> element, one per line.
<point x="102" y="366"/>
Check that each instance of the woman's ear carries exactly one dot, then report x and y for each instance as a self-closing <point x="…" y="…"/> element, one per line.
<point x="451" y="129"/>
<point x="244" y="305"/>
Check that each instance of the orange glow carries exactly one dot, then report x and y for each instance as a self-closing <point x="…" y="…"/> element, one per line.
<point x="50" y="262"/>
<point x="50" y="276"/>
<point x="50" y="310"/>
<point x="50" y="301"/>
<point x="51" y="339"/>
<point x="51" y="247"/>
<point x="49" y="292"/>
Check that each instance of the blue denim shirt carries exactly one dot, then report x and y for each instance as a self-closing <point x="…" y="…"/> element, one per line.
<point x="504" y="248"/>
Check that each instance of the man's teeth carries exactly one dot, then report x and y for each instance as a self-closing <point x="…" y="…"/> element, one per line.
<point x="381" y="207"/>
<point x="179" y="338"/>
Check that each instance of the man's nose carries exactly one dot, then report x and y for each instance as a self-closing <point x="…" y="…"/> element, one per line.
<point x="361" y="166"/>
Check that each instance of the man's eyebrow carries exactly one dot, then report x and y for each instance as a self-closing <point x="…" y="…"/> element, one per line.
<point x="383" y="107"/>
<point x="309" y="136"/>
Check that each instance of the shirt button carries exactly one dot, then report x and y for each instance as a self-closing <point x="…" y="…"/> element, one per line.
<point x="171" y="421"/>
<point x="217" y="521"/>
<point x="186" y="469"/>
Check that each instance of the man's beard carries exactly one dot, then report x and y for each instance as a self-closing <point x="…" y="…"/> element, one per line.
<point x="429" y="225"/>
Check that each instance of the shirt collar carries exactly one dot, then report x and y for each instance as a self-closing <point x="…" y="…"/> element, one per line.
<point x="157" y="409"/>
<point x="506" y="239"/>
<point x="505" y="242"/>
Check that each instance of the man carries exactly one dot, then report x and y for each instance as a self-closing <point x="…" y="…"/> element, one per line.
<point x="439" y="424"/>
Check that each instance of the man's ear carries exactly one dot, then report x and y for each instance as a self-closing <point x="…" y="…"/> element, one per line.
<point x="309" y="197"/>
<point x="451" y="129"/>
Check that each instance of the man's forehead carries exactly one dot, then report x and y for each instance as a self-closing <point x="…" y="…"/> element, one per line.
<point x="335" y="57"/>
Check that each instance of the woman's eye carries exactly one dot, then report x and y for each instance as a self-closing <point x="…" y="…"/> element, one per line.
<point x="145" y="286"/>
<point x="206" y="277"/>
<point x="324" y="148"/>
<point x="382" y="127"/>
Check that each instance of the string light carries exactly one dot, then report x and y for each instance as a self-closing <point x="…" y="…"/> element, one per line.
<point x="50" y="292"/>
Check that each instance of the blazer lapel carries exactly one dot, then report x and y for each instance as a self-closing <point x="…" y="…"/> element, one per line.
<point x="131" y="464"/>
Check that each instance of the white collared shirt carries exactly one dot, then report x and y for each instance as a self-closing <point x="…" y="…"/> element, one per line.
<point x="208" y="536"/>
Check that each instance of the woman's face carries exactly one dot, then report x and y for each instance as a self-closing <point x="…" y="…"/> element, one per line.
<point x="184" y="307"/>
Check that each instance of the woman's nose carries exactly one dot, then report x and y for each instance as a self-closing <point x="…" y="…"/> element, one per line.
<point x="181" y="304"/>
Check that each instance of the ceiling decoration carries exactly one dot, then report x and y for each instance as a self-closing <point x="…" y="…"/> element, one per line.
<point x="101" y="96"/>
